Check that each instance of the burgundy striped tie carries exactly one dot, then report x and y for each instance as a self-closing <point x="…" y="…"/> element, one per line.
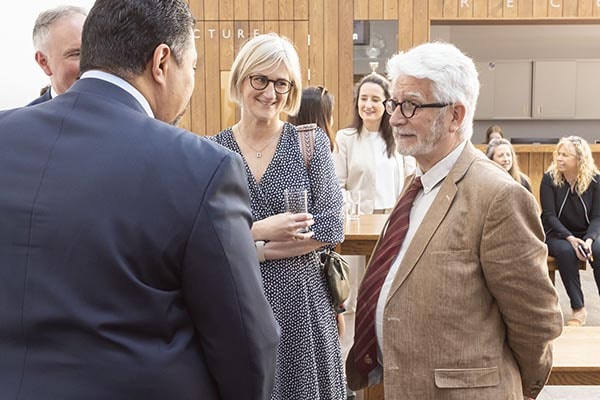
<point x="365" y="343"/>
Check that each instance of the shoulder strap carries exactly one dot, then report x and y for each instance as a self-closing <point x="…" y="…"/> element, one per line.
<point x="306" y="138"/>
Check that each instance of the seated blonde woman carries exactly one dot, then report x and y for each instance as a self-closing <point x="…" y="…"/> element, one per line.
<point x="570" y="197"/>
<point x="502" y="153"/>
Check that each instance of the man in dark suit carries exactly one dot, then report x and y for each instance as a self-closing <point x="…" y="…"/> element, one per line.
<point x="57" y="42"/>
<point x="127" y="266"/>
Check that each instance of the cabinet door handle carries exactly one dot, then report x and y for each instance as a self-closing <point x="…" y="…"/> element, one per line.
<point x="539" y="110"/>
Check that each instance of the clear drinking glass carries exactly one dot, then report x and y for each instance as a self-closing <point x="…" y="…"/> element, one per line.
<point x="296" y="201"/>
<point x="352" y="204"/>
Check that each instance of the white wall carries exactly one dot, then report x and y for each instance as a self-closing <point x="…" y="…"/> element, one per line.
<point x="20" y="77"/>
<point x="530" y="42"/>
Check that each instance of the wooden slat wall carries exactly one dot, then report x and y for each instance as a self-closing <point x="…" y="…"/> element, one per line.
<point x="329" y="23"/>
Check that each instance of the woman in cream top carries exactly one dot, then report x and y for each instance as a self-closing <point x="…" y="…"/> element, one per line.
<point x="365" y="154"/>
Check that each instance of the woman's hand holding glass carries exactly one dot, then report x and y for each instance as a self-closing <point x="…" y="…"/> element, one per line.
<point x="284" y="227"/>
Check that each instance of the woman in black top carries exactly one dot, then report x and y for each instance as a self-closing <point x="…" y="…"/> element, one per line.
<point x="570" y="197"/>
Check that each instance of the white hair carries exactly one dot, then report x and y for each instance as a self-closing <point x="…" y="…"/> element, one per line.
<point x="453" y="74"/>
<point x="49" y="17"/>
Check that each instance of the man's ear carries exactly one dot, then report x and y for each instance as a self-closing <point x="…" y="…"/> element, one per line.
<point x="458" y="116"/>
<point x="42" y="61"/>
<point x="160" y="63"/>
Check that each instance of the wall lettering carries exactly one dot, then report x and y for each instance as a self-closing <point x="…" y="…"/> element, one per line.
<point x="510" y="3"/>
<point x="465" y="3"/>
<point x="554" y="5"/>
<point x="228" y="33"/>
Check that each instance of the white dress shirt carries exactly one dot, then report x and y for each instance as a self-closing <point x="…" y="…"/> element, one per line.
<point x="431" y="187"/>
<point x="123" y="84"/>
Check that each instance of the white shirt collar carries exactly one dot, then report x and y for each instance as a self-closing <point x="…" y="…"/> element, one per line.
<point x="440" y="170"/>
<point x="123" y="84"/>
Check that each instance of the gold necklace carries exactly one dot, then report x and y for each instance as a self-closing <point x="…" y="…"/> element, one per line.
<point x="258" y="152"/>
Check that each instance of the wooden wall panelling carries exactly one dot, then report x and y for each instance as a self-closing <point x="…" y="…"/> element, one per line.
<point x="481" y="8"/>
<point x="537" y="165"/>
<point x="405" y="24"/>
<point x="255" y="10"/>
<point x="197" y="108"/>
<point x="238" y="40"/>
<point x="212" y="80"/>
<point x="240" y="10"/>
<point x="301" y="42"/>
<point x="540" y="8"/>
<point x="301" y="9"/>
<point x="286" y="10"/>
<point x="316" y="55"/>
<point x="197" y="8"/>
<point x="271" y="26"/>
<point x="343" y="97"/>
<point x="420" y="22"/>
<point x="271" y="10"/>
<point x="585" y="8"/>
<point x="436" y="9"/>
<point x="510" y="12"/>
<point x="596" y="10"/>
<point x="286" y="28"/>
<point x="390" y="9"/>
<point x="226" y="34"/>
<point x="225" y="10"/>
<point x="466" y="12"/>
<point x="570" y="8"/>
<point x="556" y="12"/>
<point x="525" y="8"/>
<point x="496" y="8"/>
<point x="375" y="9"/>
<point x="361" y="9"/>
<point x="211" y="10"/>
<point x="450" y="9"/>
<point x="331" y="46"/>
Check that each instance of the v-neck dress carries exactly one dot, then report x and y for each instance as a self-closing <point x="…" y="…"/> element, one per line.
<point x="309" y="361"/>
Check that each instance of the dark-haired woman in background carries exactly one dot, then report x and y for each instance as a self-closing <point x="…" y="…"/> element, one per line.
<point x="316" y="107"/>
<point x="570" y="197"/>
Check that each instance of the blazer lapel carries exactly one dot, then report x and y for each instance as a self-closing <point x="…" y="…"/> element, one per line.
<point x="434" y="217"/>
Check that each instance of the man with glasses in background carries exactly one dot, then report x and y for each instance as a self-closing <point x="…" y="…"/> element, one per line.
<point x="456" y="302"/>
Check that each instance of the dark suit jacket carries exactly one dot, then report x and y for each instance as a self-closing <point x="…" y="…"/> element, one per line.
<point x="127" y="267"/>
<point x="43" y="98"/>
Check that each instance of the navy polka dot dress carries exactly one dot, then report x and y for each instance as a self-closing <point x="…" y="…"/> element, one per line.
<point x="309" y="363"/>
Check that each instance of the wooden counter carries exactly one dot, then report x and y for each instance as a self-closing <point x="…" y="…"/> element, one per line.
<point x="534" y="159"/>
<point x="362" y="235"/>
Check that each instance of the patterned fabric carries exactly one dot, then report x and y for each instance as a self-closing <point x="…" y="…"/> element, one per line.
<point x="309" y="364"/>
<point x="370" y="288"/>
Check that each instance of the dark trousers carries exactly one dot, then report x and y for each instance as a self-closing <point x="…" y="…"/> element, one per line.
<point x="568" y="267"/>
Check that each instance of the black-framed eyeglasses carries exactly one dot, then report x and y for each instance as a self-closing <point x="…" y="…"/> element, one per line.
<point x="260" y="82"/>
<point x="408" y="108"/>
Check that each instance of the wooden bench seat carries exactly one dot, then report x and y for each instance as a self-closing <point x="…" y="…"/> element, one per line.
<point x="553" y="267"/>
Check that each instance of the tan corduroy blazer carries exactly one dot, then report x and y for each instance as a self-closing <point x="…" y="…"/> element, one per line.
<point x="471" y="313"/>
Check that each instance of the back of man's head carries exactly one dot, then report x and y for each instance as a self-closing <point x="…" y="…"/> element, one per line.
<point x="49" y="17"/>
<point x="120" y="36"/>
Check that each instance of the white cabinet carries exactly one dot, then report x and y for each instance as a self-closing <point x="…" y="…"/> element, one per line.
<point x="505" y="90"/>
<point x="587" y="92"/>
<point x="554" y="88"/>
